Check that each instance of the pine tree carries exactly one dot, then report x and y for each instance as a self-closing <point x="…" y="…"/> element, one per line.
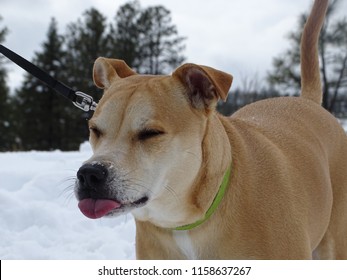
<point x="160" y="46"/>
<point x="125" y="35"/>
<point x="147" y="39"/>
<point x="42" y="114"/>
<point x="86" y="40"/>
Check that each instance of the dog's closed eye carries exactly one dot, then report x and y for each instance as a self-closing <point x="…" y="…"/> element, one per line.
<point x="146" y="134"/>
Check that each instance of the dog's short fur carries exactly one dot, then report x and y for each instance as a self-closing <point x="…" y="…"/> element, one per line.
<point x="161" y="151"/>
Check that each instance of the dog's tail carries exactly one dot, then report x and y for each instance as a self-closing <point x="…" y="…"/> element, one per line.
<point x="311" y="87"/>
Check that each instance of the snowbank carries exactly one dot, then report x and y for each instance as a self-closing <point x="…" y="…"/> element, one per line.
<point x="39" y="218"/>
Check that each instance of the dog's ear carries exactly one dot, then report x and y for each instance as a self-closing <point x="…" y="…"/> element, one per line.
<point x="205" y="85"/>
<point x="106" y="70"/>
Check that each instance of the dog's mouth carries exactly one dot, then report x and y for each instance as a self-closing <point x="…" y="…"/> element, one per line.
<point x="97" y="208"/>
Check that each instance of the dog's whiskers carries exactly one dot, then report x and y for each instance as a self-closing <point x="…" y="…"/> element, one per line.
<point x="69" y="191"/>
<point x="130" y="181"/>
<point x="135" y="185"/>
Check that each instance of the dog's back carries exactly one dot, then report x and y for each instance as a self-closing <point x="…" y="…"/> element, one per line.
<point x="308" y="150"/>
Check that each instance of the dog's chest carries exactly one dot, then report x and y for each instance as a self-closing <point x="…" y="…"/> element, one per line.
<point x="185" y="244"/>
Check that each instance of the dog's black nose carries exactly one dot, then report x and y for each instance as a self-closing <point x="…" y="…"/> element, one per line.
<point x="92" y="176"/>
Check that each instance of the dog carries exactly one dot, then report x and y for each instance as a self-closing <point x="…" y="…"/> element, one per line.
<point x="269" y="182"/>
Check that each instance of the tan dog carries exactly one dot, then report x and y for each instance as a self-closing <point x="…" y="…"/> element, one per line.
<point x="161" y="152"/>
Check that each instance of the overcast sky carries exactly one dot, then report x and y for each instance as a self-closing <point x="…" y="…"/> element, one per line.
<point x="237" y="36"/>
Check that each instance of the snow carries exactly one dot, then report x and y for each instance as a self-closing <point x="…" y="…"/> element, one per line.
<point x="39" y="217"/>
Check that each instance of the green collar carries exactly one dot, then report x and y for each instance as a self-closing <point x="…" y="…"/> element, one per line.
<point x="216" y="201"/>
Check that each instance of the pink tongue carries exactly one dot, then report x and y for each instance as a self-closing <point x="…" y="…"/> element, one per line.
<point x="97" y="208"/>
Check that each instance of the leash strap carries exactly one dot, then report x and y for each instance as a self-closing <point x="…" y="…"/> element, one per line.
<point x="81" y="100"/>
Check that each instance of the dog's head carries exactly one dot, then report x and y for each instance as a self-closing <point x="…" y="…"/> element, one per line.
<point x="146" y="135"/>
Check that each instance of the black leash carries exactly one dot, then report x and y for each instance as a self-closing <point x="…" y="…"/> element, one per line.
<point x="81" y="100"/>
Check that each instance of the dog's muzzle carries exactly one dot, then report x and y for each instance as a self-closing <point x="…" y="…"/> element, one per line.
<point x="92" y="191"/>
<point x="99" y="195"/>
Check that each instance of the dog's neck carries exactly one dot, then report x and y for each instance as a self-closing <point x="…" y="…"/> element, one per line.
<point x="213" y="171"/>
<point x="214" y="164"/>
<point x="216" y="201"/>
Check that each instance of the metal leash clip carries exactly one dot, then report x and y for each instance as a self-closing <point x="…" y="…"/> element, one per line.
<point x="84" y="102"/>
<point x="81" y="100"/>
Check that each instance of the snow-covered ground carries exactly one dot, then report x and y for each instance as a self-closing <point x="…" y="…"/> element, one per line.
<point x="39" y="217"/>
